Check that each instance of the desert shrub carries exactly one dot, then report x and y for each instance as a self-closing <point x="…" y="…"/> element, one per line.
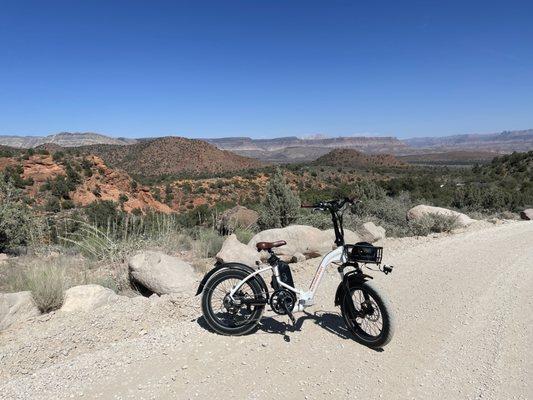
<point x="207" y="242"/>
<point x="389" y="212"/>
<point x="102" y="213"/>
<point x="244" y="234"/>
<point x="15" y="217"/>
<point x="86" y="165"/>
<point x="156" y="192"/>
<point x="320" y="220"/>
<point x="169" y="195"/>
<point x="433" y="223"/>
<point x="52" y="205"/>
<point x="14" y="175"/>
<point x="280" y="206"/>
<point x="61" y="186"/>
<point x="58" y="156"/>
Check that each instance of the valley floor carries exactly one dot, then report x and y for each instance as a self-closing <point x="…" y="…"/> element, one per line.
<point x="464" y="331"/>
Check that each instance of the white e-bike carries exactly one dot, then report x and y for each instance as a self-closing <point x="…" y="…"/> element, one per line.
<point x="235" y="295"/>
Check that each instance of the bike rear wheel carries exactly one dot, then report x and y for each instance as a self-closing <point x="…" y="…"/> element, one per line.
<point x="368" y="315"/>
<point x="229" y="317"/>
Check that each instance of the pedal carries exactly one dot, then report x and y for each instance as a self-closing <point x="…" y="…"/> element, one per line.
<point x="387" y="269"/>
<point x="289" y="312"/>
<point x="293" y="320"/>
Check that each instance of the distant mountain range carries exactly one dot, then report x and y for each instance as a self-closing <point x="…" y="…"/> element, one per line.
<point x="294" y="149"/>
<point x="63" y="139"/>
<point x="506" y="141"/>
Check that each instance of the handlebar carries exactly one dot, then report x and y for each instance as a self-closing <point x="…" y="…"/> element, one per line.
<point x="333" y="205"/>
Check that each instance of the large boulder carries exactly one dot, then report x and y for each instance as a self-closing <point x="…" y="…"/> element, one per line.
<point x="423" y="210"/>
<point x="371" y="233"/>
<point x="234" y="251"/>
<point x="16" y="307"/>
<point x="87" y="298"/>
<point x="349" y="237"/>
<point x="527" y="214"/>
<point x="237" y="217"/>
<point x="307" y="240"/>
<point x="161" y="273"/>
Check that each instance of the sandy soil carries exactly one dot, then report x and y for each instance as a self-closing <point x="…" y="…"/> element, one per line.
<point x="465" y="329"/>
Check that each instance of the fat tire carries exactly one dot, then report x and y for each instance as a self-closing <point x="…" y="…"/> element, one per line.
<point x="208" y="313"/>
<point x="389" y="321"/>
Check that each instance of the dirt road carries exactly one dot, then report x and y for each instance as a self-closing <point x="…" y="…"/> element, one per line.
<point x="465" y="329"/>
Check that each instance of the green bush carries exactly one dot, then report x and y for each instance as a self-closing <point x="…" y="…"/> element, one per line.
<point x="244" y="235"/>
<point x="320" y="220"/>
<point x="207" y="242"/>
<point x="389" y="212"/>
<point x="102" y="213"/>
<point x="433" y="223"/>
<point x="15" y="217"/>
<point x="280" y="206"/>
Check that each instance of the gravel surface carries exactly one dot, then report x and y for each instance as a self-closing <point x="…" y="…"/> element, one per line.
<point x="465" y="328"/>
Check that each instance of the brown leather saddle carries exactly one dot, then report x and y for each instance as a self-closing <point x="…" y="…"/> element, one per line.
<point x="269" y="245"/>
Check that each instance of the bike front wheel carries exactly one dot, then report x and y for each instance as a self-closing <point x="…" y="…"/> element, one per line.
<point x="368" y="315"/>
<point x="237" y="316"/>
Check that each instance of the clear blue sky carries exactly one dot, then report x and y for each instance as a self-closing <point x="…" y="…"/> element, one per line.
<point x="265" y="68"/>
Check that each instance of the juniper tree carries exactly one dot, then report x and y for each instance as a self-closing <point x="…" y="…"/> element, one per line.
<point x="280" y="206"/>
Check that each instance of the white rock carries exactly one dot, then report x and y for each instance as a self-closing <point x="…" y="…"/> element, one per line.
<point x="527" y="214"/>
<point x="16" y="307"/>
<point x="307" y="240"/>
<point x="422" y="210"/>
<point x="234" y="251"/>
<point x="371" y="233"/>
<point x="349" y="237"/>
<point x="237" y="217"/>
<point x="87" y="298"/>
<point x="161" y="273"/>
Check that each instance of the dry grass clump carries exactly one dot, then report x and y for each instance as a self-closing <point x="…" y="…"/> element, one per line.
<point x="433" y="223"/>
<point x="48" y="278"/>
<point x="206" y="243"/>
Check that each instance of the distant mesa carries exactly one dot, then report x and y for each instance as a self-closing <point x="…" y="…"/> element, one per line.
<point x="63" y="139"/>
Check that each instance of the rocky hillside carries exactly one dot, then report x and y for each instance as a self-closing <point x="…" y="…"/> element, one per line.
<point x="63" y="139"/>
<point x="170" y="156"/>
<point x="351" y="158"/>
<point x="56" y="183"/>
<point x="506" y="141"/>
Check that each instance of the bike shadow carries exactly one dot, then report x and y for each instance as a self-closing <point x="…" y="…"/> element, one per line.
<point x="333" y="323"/>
